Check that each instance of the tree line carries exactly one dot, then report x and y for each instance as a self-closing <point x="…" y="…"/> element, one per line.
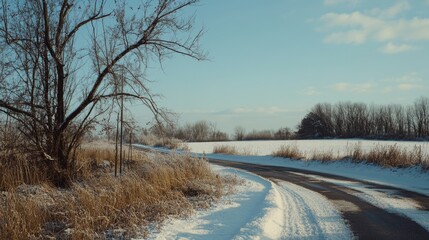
<point x="359" y="120"/>
<point x="205" y="131"/>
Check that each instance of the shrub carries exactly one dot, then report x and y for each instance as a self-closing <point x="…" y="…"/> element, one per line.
<point x="392" y="156"/>
<point x="225" y="149"/>
<point x="324" y="156"/>
<point x="289" y="151"/>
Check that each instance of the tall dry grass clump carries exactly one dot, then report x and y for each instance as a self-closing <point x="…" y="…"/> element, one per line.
<point x="18" y="166"/>
<point x="100" y="206"/>
<point x="289" y="151"/>
<point x="324" y="156"/>
<point x="232" y="150"/>
<point x="225" y="149"/>
<point x="391" y="156"/>
<point x="170" y="143"/>
<point x="382" y="155"/>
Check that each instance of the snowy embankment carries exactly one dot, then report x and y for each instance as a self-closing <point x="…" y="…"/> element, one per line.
<point x="261" y="209"/>
<point x="413" y="179"/>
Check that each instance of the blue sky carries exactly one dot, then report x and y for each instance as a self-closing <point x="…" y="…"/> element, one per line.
<point x="271" y="61"/>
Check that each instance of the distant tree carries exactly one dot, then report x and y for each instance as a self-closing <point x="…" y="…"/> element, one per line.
<point x="283" y="134"/>
<point x="346" y="119"/>
<point x="421" y="114"/>
<point x="259" y="135"/>
<point x="239" y="133"/>
<point x="311" y="126"/>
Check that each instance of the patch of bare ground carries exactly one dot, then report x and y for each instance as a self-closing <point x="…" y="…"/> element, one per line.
<point x="100" y="205"/>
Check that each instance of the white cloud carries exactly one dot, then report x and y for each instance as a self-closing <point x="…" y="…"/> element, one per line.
<point x="311" y="91"/>
<point x="349" y="37"/>
<point x="336" y="2"/>
<point x="391" y="48"/>
<point x="413" y="77"/>
<point x="261" y="110"/>
<point x="407" y="82"/>
<point x="407" y="86"/>
<point x="391" y="11"/>
<point x="241" y="110"/>
<point x="352" y="87"/>
<point x="376" y="25"/>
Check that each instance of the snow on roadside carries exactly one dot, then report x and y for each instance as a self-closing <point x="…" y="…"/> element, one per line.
<point x="384" y="199"/>
<point x="408" y="178"/>
<point x="413" y="179"/>
<point x="310" y="215"/>
<point x="255" y="199"/>
<point x="261" y="209"/>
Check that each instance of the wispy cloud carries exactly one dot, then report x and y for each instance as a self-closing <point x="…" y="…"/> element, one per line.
<point x="377" y="25"/>
<point x="407" y="86"/>
<point x="392" y="11"/>
<point x="259" y="110"/>
<point x="407" y="82"/>
<point x="352" y="87"/>
<point x="311" y="91"/>
<point x="243" y="110"/>
<point x="336" y="2"/>
<point x="392" y="48"/>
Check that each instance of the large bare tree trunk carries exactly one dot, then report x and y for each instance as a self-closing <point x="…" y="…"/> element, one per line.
<point x="56" y="90"/>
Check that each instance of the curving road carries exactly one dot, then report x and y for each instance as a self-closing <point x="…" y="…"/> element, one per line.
<point x="365" y="216"/>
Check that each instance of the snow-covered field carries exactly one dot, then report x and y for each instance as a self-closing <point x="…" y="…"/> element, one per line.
<point x="339" y="147"/>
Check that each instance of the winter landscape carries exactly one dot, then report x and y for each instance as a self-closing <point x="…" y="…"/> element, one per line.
<point x="278" y="209"/>
<point x="196" y="119"/>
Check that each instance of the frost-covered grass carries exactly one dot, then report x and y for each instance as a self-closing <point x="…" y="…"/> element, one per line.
<point x="99" y="205"/>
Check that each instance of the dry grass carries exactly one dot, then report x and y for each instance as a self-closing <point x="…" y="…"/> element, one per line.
<point x="16" y="169"/>
<point x="100" y="206"/>
<point x="324" y="156"/>
<point x="170" y="143"/>
<point x="232" y="150"/>
<point x="289" y="151"/>
<point x="225" y="149"/>
<point x="391" y="156"/>
<point x="382" y="155"/>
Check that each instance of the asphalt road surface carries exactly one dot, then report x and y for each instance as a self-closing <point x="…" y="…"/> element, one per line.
<point x="369" y="221"/>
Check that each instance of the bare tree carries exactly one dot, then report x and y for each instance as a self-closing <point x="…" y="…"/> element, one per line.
<point x="239" y="133"/>
<point x="61" y="62"/>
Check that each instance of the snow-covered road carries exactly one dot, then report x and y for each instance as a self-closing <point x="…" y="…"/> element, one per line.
<point x="309" y="215"/>
<point x="293" y="200"/>
<point x="371" y="211"/>
<point x="261" y="209"/>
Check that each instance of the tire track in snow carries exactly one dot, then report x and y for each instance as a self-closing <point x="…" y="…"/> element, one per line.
<point x="366" y="220"/>
<point x="386" y="199"/>
<point x="309" y="215"/>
